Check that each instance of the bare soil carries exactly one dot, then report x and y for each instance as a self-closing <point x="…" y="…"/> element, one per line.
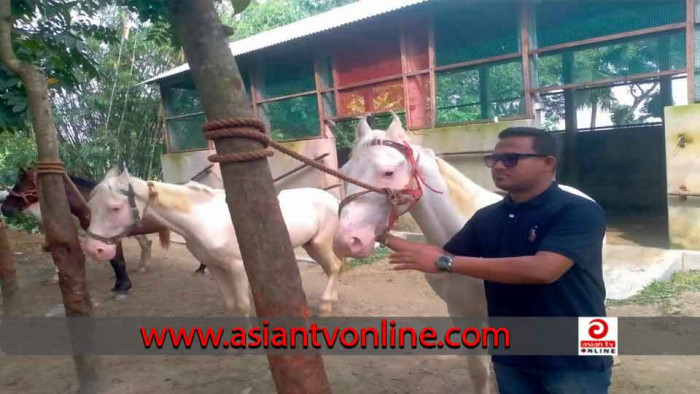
<point x="170" y="289"/>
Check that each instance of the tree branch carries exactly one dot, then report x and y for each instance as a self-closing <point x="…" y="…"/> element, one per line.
<point x="7" y="55"/>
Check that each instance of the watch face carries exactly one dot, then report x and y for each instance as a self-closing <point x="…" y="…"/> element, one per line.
<point x="444" y="262"/>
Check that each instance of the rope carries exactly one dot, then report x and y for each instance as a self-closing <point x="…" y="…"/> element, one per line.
<point x="254" y="128"/>
<point x="56" y="167"/>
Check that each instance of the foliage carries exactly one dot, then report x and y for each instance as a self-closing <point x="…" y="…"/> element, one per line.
<point x="51" y="35"/>
<point x="114" y="119"/>
<point x="664" y="293"/>
<point x="378" y="255"/>
<point x="17" y="150"/>
<point x="101" y="114"/>
<point x="261" y="16"/>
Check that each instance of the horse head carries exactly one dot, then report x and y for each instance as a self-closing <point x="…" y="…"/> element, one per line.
<point x="386" y="160"/>
<point x="23" y="194"/>
<point x="115" y="210"/>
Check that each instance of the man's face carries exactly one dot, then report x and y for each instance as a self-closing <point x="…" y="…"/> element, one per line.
<point x="528" y="172"/>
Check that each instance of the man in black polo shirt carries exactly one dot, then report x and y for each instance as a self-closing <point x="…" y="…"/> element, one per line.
<point x="539" y="252"/>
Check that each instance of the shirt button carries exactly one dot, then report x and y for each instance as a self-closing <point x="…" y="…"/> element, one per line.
<point x="511" y="216"/>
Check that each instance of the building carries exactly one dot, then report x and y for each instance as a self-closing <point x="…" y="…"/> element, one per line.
<point x="598" y="73"/>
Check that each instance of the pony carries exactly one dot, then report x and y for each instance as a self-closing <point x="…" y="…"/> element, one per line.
<point x="24" y="198"/>
<point x="201" y="216"/>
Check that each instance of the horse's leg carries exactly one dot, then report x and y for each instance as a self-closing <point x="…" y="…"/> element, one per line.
<point x="122" y="284"/>
<point x="466" y="298"/>
<point x="201" y="269"/>
<point x="233" y="286"/>
<point x="322" y="252"/>
<point x="145" y="245"/>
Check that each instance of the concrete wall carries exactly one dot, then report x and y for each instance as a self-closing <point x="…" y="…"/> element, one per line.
<point x="683" y="174"/>
<point x="181" y="167"/>
<point x="467" y="138"/>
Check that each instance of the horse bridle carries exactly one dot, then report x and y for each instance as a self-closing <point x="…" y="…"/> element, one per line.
<point x="135" y="215"/>
<point x="25" y="197"/>
<point x="410" y="194"/>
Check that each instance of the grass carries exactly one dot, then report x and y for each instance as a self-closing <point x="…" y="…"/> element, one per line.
<point x="379" y="254"/>
<point x="664" y="293"/>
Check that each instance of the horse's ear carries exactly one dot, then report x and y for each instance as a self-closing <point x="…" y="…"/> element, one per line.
<point x="396" y="132"/>
<point x="114" y="171"/>
<point x="363" y="130"/>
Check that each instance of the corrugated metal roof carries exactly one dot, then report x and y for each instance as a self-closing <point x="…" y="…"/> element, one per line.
<point x="332" y="19"/>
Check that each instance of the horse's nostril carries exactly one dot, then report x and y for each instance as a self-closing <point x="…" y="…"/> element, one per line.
<point x="99" y="250"/>
<point x="354" y="241"/>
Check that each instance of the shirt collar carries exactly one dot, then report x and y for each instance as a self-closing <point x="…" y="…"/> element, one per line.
<point x="536" y="201"/>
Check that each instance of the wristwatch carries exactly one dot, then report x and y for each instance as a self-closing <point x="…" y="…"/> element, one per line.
<point x="444" y="263"/>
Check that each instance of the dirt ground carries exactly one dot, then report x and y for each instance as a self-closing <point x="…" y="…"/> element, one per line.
<point x="169" y="289"/>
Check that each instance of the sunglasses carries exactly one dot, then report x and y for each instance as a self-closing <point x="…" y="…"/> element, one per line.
<point x="509" y="160"/>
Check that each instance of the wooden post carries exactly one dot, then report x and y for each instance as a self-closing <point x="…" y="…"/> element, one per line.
<point x="525" y="17"/>
<point x="8" y="276"/>
<point x="267" y="252"/>
<point x="431" y="66"/>
<point x="568" y="169"/>
<point x="690" y="48"/>
<point x="59" y="230"/>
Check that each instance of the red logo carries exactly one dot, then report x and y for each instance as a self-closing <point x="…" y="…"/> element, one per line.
<point x="597" y="329"/>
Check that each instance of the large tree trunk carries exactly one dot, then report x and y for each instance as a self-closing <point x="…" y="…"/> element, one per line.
<point x="8" y="276"/>
<point x="265" y="246"/>
<point x="57" y="224"/>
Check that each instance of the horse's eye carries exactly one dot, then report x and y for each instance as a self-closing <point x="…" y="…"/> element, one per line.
<point x="115" y="209"/>
<point x="389" y="173"/>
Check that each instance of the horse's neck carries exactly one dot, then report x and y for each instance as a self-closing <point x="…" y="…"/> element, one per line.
<point x="441" y="215"/>
<point x="75" y="203"/>
<point x="178" y="221"/>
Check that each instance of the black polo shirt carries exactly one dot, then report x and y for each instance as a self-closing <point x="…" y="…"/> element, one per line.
<point x="555" y="221"/>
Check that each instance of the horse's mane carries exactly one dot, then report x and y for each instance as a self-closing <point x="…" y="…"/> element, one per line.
<point x="86" y="183"/>
<point x="457" y="186"/>
<point x="181" y="197"/>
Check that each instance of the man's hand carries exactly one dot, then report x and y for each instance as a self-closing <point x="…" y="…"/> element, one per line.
<point x="420" y="259"/>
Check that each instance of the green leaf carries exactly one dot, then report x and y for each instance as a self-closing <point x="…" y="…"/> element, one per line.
<point x="19" y="107"/>
<point x="239" y="6"/>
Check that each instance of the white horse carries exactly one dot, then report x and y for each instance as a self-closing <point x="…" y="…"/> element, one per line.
<point x="439" y="215"/>
<point x="201" y="216"/>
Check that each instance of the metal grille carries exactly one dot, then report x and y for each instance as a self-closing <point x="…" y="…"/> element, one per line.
<point x="285" y="76"/>
<point x="559" y="22"/>
<point x="181" y="101"/>
<point x="186" y="134"/>
<point x="506" y="98"/>
<point x="483" y="92"/>
<point x="470" y="33"/>
<point x="660" y="52"/>
<point x="379" y="97"/>
<point x="293" y="118"/>
<point x="416" y="45"/>
<point x="366" y="58"/>
<point x="457" y="96"/>
<point x="419" y="102"/>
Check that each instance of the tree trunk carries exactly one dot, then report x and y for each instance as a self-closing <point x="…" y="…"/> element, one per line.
<point x="8" y="276"/>
<point x="263" y="238"/>
<point x="57" y="224"/>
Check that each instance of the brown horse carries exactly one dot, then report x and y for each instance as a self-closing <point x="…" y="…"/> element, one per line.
<point x="24" y="197"/>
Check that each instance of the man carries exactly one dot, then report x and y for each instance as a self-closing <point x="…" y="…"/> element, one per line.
<point x="539" y="254"/>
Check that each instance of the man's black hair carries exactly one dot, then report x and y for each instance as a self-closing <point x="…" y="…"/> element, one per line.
<point x="543" y="143"/>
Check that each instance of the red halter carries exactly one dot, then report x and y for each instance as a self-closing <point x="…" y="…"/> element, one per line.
<point x="409" y="195"/>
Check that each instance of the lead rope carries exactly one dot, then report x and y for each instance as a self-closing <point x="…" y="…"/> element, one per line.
<point x="254" y="129"/>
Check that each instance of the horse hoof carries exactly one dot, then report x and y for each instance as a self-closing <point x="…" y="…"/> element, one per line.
<point x="121" y="287"/>
<point x="143" y="270"/>
<point x="325" y="308"/>
<point x="121" y="296"/>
